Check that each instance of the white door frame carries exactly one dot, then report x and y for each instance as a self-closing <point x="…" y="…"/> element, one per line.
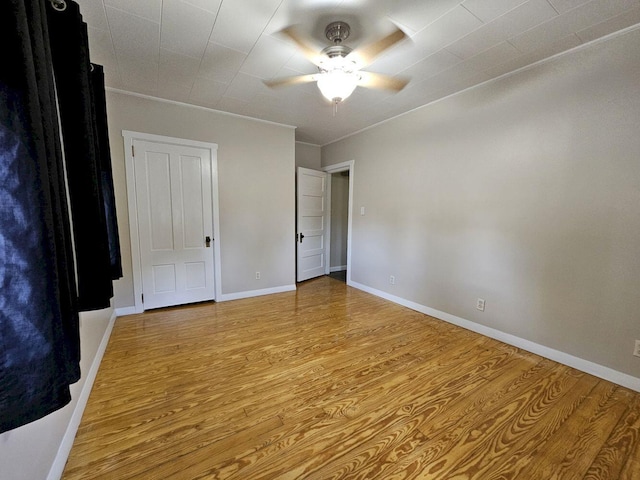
<point x="134" y="235"/>
<point x="337" y="168"/>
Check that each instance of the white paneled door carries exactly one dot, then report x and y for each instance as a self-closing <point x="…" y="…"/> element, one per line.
<point x="312" y="217"/>
<point x="175" y="222"/>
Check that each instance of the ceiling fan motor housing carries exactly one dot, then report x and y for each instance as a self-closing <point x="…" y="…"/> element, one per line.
<point x="336" y="51"/>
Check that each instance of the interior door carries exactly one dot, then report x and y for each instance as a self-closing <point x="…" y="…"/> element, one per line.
<point x="311" y="221"/>
<point x="175" y="222"/>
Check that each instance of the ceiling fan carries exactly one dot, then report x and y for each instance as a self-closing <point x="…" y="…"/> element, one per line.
<point x="339" y="66"/>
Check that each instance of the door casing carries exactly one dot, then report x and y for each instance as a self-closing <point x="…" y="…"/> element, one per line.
<point x="348" y="166"/>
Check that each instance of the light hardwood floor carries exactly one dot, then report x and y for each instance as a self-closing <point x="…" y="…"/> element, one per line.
<point x="330" y="382"/>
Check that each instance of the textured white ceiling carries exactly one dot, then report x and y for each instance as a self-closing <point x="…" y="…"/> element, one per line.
<point x="216" y="53"/>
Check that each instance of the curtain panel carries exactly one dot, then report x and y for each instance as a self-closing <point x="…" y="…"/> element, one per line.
<point x="71" y="65"/>
<point x="39" y="297"/>
<point x="39" y="346"/>
<point x="103" y="151"/>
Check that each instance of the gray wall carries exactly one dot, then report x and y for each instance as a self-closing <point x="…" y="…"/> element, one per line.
<point x="524" y="191"/>
<point x="28" y="452"/>
<point x="339" y="219"/>
<point x="255" y="180"/>
<point x="308" y="156"/>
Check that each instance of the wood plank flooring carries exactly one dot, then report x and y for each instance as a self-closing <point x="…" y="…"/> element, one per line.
<point x="330" y="382"/>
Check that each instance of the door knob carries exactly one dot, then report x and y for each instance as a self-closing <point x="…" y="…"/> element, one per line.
<point x="207" y="241"/>
<point x="301" y="237"/>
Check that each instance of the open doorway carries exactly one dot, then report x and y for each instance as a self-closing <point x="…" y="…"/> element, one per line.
<point x="339" y="225"/>
<point x="340" y="203"/>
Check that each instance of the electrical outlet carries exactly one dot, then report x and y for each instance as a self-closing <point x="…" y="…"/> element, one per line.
<point x="257" y="275"/>
<point x="636" y="350"/>
<point x="480" y="304"/>
<point x="392" y="280"/>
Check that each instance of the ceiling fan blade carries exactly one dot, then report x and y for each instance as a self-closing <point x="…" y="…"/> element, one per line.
<point x="367" y="54"/>
<point x="385" y="82"/>
<point x="287" y="81"/>
<point x="304" y="43"/>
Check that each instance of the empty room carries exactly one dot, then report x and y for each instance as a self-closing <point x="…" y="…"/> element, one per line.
<point x="320" y="239"/>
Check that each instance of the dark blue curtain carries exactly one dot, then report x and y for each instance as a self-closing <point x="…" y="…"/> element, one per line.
<point x="39" y="338"/>
<point x="70" y="50"/>
<point x="104" y="166"/>
<point x="45" y="72"/>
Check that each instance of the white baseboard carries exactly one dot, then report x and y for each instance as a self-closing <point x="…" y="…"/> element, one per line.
<point x="339" y="268"/>
<point x="59" y="462"/>
<point x="581" y="364"/>
<point x="255" y="293"/>
<point x="123" y="311"/>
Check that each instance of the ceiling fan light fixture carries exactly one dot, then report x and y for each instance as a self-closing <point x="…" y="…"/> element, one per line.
<point x="337" y="85"/>
<point x="339" y="66"/>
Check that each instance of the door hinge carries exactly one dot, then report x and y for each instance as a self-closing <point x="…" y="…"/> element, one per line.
<point x="142" y="297"/>
<point x="133" y="152"/>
